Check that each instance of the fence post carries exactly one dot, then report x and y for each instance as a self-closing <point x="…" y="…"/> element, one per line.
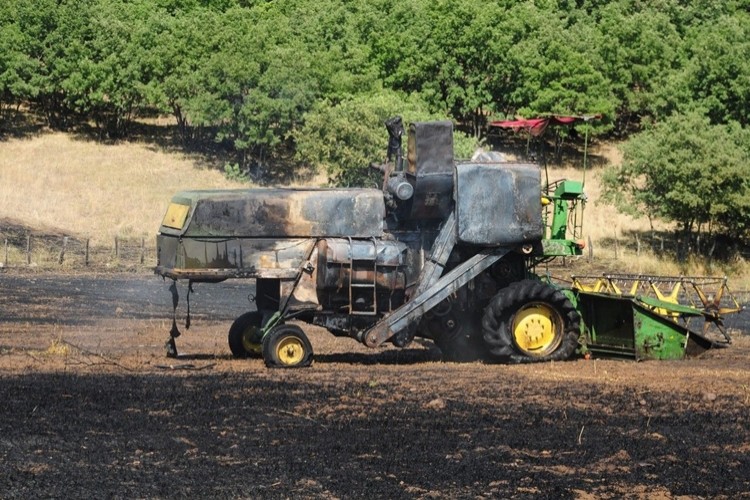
<point x="637" y="245"/>
<point x="28" y="249"/>
<point x="62" y="252"/>
<point x="86" y="260"/>
<point x="117" y="248"/>
<point x="617" y="246"/>
<point x="5" y="262"/>
<point x="143" y="250"/>
<point x="591" y="250"/>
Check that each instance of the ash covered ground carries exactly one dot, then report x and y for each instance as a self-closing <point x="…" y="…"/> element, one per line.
<point x="92" y="407"/>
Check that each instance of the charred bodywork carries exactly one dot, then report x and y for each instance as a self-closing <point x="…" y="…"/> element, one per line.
<point x="259" y="233"/>
<point x="444" y="251"/>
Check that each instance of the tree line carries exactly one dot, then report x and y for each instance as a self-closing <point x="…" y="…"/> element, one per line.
<point x="312" y="80"/>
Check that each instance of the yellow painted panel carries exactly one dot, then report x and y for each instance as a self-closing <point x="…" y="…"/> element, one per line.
<point x="176" y="215"/>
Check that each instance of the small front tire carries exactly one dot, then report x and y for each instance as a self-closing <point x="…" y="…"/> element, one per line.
<point x="287" y="346"/>
<point x="245" y="335"/>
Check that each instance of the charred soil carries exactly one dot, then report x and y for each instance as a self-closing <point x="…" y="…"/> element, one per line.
<point x="92" y="407"/>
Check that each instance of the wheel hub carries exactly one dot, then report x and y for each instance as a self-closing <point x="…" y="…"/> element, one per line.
<point x="535" y="329"/>
<point x="290" y="351"/>
<point x="250" y="339"/>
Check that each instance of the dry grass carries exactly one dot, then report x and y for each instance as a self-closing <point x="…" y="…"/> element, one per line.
<point x="91" y="190"/>
<point x="58" y="347"/>
<point x="603" y="222"/>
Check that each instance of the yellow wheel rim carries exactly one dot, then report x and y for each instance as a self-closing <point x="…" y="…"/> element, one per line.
<point x="290" y="351"/>
<point x="537" y="329"/>
<point x="248" y="335"/>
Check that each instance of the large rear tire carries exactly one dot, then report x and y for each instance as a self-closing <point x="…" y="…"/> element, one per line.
<point x="245" y="335"/>
<point x="287" y="346"/>
<point x="530" y="321"/>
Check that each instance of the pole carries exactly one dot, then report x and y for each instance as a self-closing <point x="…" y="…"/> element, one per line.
<point x="62" y="251"/>
<point x="617" y="246"/>
<point x="585" y="155"/>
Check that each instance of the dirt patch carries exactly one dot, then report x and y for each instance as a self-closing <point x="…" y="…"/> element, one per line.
<point x="93" y="407"/>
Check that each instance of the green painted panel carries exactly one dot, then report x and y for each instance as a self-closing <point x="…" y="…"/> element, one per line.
<point x="623" y="326"/>
<point x="657" y="337"/>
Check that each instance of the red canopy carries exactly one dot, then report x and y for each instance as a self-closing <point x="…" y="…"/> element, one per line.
<point x="536" y="126"/>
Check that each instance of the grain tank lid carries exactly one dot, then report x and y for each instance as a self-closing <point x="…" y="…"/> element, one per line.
<point x="498" y="203"/>
<point x="283" y="213"/>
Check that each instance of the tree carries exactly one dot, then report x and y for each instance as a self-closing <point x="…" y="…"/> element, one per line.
<point x="443" y="51"/>
<point x="111" y="93"/>
<point x="558" y="67"/>
<point x="23" y="29"/>
<point x="344" y="139"/>
<point x="175" y="65"/>
<point x="688" y="171"/>
<point x="641" y="50"/>
<point x="718" y="72"/>
<point x="16" y="68"/>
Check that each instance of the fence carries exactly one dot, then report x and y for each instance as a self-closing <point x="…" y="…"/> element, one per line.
<point x="46" y="251"/>
<point x="49" y="251"/>
<point x="668" y="244"/>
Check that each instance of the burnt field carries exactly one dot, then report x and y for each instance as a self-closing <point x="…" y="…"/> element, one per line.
<point x="92" y="407"/>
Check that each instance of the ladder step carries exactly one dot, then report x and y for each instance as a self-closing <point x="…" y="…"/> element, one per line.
<point x="368" y="287"/>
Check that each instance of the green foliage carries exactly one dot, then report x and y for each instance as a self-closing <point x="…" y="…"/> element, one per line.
<point x="559" y="66"/>
<point x="717" y="74"/>
<point x="317" y="78"/>
<point x="234" y="172"/>
<point x="16" y="67"/>
<point x="640" y="50"/>
<point x="686" y="170"/>
<point x="343" y="139"/>
<point x="245" y="72"/>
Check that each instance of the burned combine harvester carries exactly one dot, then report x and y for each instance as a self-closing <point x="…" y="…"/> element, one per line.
<point x="445" y="251"/>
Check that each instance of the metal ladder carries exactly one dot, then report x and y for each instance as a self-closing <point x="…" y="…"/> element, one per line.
<point x="372" y="286"/>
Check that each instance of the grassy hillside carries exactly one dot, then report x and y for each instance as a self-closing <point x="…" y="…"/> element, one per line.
<point x="54" y="182"/>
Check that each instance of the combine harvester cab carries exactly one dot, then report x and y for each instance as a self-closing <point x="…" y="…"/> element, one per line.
<point x="445" y="251"/>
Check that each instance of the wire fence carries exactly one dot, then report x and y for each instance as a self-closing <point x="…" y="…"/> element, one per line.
<point x="45" y="251"/>
<point x="671" y="245"/>
<point x="49" y="251"/>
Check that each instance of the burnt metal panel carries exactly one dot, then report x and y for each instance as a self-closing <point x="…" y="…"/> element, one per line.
<point x="371" y="272"/>
<point x="430" y="169"/>
<point x="281" y="213"/>
<point x="362" y="262"/>
<point x="212" y="259"/>
<point x="498" y="203"/>
<point x="342" y="251"/>
<point x="433" y="196"/>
